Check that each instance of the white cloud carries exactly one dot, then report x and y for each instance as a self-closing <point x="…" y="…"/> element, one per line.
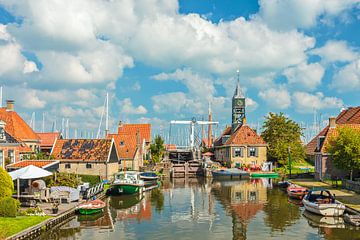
<point x="136" y="86"/>
<point x="306" y="76"/>
<point x="334" y="51"/>
<point x="307" y="102"/>
<point x="172" y="102"/>
<point x="290" y="14"/>
<point x="127" y="107"/>
<point x="347" y="79"/>
<point x="251" y="105"/>
<point x="277" y="98"/>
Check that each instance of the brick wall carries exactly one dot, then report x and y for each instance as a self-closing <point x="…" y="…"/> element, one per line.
<point x="5" y="150"/>
<point x="97" y="168"/>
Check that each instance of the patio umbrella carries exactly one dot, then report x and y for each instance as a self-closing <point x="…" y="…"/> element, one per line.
<point x="29" y="172"/>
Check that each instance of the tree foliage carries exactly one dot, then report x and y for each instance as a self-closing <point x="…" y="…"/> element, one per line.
<point x="6" y="184"/>
<point x="157" y="149"/>
<point x="345" y="149"/>
<point x="62" y="179"/>
<point x="280" y="132"/>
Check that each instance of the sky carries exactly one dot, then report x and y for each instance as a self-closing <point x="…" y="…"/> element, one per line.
<point x="163" y="60"/>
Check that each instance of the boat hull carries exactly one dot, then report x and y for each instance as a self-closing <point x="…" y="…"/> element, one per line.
<point x="264" y="175"/>
<point x="128" y="189"/>
<point x="85" y="211"/>
<point x="232" y="174"/>
<point x="325" y="209"/>
<point x="296" y="192"/>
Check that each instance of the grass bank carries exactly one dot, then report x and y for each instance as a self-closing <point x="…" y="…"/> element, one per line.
<point x="10" y="226"/>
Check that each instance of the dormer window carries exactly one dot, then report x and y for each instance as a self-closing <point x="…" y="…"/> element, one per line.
<point x="320" y="142"/>
<point x="2" y="134"/>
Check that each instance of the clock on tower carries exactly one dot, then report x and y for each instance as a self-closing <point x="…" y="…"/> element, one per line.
<point x="238" y="108"/>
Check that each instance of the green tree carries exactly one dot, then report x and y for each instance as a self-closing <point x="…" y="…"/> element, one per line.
<point x="157" y="149"/>
<point x="345" y="149"/>
<point x="280" y="133"/>
<point x="7" y="185"/>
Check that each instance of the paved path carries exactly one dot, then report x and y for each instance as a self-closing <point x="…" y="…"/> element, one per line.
<point x="350" y="198"/>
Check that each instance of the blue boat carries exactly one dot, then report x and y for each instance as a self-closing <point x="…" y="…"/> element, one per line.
<point x="230" y="173"/>
<point x="149" y="176"/>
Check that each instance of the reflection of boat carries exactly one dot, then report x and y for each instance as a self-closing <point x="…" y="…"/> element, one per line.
<point x="296" y="191"/>
<point x="123" y="202"/>
<point x="264" y="175"/>
<point x="323" y="221"/>
<point x="230" y="173"/>
<point x="295" y="201"/>
<point x="322" y="202"/>
<point x="352" y="219"/>
<point x="91" y="207"/>
<point x="283" y="184"/>
<point x="90" y="218"/>
<point x="128" y="182"/>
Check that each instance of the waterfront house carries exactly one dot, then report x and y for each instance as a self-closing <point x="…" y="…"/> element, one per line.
<point x="87" y="157"/>
<point x="239" y="144"/>
<point x="18" y="128"/>
<point x="47" y="141"/>
<point x="317" y="147"/>
<point x="132" y="142"/>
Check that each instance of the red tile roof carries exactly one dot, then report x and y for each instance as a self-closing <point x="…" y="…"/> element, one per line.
<point x="47" y="140"/>
<point x="36" y="163"/>
<point x="132" y="129"/>
<point x="82" y="149"/>
<point x="125" y="145"/>
<point x="244" y="135"/>
<point x="170" y="146"/>
<point x="23" y="148"/>
<point x="347" y="116"/>
<point x="16" y="126"/>
<point x="350" y="115"/>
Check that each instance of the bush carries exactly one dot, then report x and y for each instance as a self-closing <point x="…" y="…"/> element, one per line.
<point x="9" y="207"/>
<point x="92" y="179"/>
<point x="7" y="185"/>
<point x="63" y="179"/>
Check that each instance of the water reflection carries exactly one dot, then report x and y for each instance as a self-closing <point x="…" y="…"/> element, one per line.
<point x="199" y="209"/>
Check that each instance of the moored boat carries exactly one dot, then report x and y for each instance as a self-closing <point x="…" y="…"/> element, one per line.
<point x="149" y="176"/>
<point x="296" y="191"/>
<point x="91" y="207"/>
<point x="322" y="202"/>
<point x="264" y="175"/>
<point x="229" y="173"/>
<point x="128" y="182"/>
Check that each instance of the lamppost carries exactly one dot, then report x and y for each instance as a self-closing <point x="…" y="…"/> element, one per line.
<point x="289" y="159"/>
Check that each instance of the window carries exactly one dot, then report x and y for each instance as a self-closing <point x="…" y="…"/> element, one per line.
<point x="11" y="156"/>
<point x="88" y="165"/>
<point x="1" y="158"/>
<point x="122" y="143"/>
<point x="2" y="133"/>
<point x="67" y="165"/>
<point x="252" y="152"/>
<point x="238" y="152"/>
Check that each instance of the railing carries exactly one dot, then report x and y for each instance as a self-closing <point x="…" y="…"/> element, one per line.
<point x="351" y="185"/>
<point x="91" y="192"/>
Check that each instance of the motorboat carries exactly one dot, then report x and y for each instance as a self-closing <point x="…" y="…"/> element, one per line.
<point x="128" y="182"/>
<point x="230" y="173"/>
<point x="296" y="191"/>
<point x="322" y="202"/>
<point x="91" y="207"/>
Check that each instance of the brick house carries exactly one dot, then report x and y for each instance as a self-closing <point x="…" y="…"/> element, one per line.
<point x="47" y="141"/>
<point x="132" y="142"/>
<point x="316" y="148"/>
<point x="87" y="157"/>
<point x="243" y="146"/>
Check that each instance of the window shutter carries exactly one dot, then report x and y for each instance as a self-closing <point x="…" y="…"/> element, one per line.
<point x="256" y="151"/>
<point x="233" y="152"/>
<point x="248" y="151"/>
<point x="242" y="152"/>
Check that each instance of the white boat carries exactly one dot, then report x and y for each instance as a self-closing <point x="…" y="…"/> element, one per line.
<point x="322" y="202"/>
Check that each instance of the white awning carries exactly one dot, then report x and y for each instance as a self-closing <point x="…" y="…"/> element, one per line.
<point x="29" y="172"/>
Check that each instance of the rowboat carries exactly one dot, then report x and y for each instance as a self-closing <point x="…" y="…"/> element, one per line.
<point x="322" y="202"/>
<point x="296" y="191"/>
<point x="91" y="207"/>
<point x="128" y="182"/>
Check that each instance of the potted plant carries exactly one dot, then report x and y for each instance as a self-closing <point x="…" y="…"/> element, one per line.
<point x="55" y="207"/>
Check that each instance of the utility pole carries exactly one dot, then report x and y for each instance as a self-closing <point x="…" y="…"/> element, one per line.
<point x="289" y="158"/>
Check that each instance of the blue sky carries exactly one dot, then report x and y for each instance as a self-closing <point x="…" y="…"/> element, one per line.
<point x="166" y="59"/>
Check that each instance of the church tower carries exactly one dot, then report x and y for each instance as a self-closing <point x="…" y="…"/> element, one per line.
<point x="238" y="107"/>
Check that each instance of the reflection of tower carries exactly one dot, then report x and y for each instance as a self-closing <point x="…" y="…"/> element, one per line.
<point x="238" y="107"/>
<point x="238" y="228"/>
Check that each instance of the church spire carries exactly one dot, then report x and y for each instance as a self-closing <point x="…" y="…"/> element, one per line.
<point x="238" y="93"/>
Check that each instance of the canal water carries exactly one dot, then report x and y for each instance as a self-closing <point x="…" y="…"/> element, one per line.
<point x="197" y="209"/>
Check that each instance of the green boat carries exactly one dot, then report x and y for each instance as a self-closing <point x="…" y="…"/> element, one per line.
<point x="92" y="207"/>
<point x="264" y="175"/>
<point x="128" y="182"/>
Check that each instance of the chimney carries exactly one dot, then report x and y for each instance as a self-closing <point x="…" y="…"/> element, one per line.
<point x="10" y="105"/>
<point x="332" y="122"/>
